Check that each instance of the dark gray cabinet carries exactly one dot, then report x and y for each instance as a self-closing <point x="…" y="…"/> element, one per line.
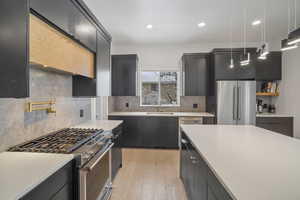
<point x="71" y="17"/>
<point x="62" y="185"/>
<point x="209" y="120"/>
<point x="85" y="31"/>
<point x="100" y="86"/>
<point x="68" y="17"/>
<point x="196" y="74"/>
<point x="199" y="181"/>
<point x="221" y="61"/>
<point x="269" y="69"/>
<point x="14" y="61"/>
<point x="124" y="75"/>
<point x="282" y="125"/>
<point x="59" y="12"/>
<point x="149" y="132"/>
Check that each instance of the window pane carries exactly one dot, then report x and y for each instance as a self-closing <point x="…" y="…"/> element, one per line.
<point x="150" y="88"/>
<point x="168" y="88"/>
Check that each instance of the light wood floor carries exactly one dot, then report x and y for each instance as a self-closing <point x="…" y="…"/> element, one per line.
<point x="149" y="175"/>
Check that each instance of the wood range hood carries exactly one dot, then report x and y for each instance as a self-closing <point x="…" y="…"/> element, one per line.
<point x="51" y="48"/>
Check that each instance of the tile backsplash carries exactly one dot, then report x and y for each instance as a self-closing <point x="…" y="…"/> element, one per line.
<point x="17" y="126"/>
<point x="119" y="104"/>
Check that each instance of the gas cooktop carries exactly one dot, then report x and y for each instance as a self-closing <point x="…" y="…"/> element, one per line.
<point x="62" y="141"/>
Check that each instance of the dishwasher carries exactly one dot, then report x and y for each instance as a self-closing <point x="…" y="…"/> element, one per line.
<point x="188" y="120"/>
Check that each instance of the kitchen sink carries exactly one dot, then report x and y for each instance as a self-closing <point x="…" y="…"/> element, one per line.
<point x="160" y="113"/>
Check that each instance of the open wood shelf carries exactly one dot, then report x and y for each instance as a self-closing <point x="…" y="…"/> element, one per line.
<point x="269" y="94"/>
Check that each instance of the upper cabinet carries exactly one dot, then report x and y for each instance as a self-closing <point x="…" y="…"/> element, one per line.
<point x="14" y="61"/>
<point x="271" y="68"/>
<point x="221" y="61"/>
<point x="49" y="47"/>
<point x="195" y="68"/>
<point x="124" y="75"/>
<point x="56" y="34"/>
<point x="68" y="17"/>
<point x="59" y="12"/>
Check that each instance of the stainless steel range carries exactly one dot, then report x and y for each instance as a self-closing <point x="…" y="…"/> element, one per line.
<point x="91" y="146"/>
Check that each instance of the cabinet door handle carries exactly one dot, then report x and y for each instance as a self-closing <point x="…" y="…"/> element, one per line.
<point x="184" y="141"/>
<point x="193" y="158"/>
<point x="195" y="161"/>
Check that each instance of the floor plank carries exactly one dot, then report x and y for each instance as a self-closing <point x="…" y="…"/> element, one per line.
<point x="149" y="175"/>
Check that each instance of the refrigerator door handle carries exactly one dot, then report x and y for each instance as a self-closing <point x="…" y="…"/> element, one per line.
<point x="234" y="104"/>
<point x="238" y="104"/>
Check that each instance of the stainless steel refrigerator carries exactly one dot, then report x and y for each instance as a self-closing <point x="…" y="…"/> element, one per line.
<point x="236" y="102"/>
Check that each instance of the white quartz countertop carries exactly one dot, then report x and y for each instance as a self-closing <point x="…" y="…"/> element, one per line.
<point x="252" y="163"/>
<point x="166" y="114"/>
<point x="273" y="115"/>
<point x="106" y="125"/>
<point x="21" y="172"/>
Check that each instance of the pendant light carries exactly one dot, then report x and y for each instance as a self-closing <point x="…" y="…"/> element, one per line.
<point x="284" y="43"/>
<point x="231" y="65"/>
<point x="294" y="36"/>
<point x="246" y="56"/>
<point x="264" y="50"/>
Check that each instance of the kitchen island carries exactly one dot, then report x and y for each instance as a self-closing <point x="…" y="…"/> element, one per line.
<point x="24" y="175"/>
<point x="239" y="162"/>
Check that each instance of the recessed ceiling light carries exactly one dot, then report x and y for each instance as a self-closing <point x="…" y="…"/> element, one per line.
<point x="202" y="24"/>
<point x="149" y="26"/>
<point x="256" y="22"/>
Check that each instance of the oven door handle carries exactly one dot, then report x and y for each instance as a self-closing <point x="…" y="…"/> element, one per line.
<point x="98" y="157"/>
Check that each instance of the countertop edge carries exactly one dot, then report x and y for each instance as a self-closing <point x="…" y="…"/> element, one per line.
<point x="176" y="114"/>
<point x="211" y="167"/>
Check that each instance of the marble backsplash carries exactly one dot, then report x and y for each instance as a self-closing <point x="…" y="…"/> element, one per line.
<point x="17" y="126"/>
<point x="118" y="104"/>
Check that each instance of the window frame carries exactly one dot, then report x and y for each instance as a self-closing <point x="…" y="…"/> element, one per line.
<point x="178" y="89"/>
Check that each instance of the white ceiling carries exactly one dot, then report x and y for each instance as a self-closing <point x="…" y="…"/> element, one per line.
<point x="175" y="21"/>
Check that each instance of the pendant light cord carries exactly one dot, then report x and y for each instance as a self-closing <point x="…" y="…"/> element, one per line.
<point x="289" y="15"/>
<point x="265" y="21"/>
<point x="245" y="27"/>
<point x="231" y="28"/>
<point x="295" y="26"/>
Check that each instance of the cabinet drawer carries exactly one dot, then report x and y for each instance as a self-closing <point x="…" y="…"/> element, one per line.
<point x="217" y="189"/>
<point x="52" y="185"/>
<point x="282" y="125"/>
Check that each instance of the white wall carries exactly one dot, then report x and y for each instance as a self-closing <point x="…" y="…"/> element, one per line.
<point x="153" y="57"/>
<point x="289" y="100"/>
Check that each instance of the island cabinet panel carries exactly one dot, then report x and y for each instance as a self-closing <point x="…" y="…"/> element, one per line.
<point x="282" y="125"/>
<point x="124" y="75"/>
<point x="195" y="74"/>
<point x="149" y="132"/>
<point x="62" y="185"/>
<point x="199" y="181"/>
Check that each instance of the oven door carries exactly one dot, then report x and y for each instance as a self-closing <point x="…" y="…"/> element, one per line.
<point x="95" y="180"/>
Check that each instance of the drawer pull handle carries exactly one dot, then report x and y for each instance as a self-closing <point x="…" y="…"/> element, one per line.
<point x="184" y="141"/>
<point x="193" y="158"/>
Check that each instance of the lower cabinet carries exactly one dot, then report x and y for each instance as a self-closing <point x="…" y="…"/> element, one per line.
<point x="149" y="132"/>
<point x="62" y="185"/>
<point x="209" y="120"/>
<point x="282" y="125"/>
<point x="199" y="181"/>
<point x="116" y="152"/>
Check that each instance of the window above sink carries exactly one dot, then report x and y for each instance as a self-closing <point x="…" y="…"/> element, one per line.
<point x="160" y="88"/>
